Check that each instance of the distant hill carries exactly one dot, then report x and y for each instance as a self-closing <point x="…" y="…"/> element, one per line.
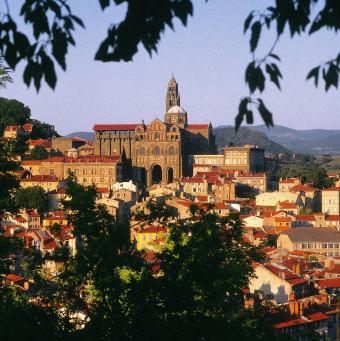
<point x="82" y="134"/>
<point x="312" y="141"/>
<point x="224" y="135"/>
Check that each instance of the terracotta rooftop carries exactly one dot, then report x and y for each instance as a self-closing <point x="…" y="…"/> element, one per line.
<point x="337" y="189"/>
<point x="303" y="188"/>
<point x="153" y="229"/>
<point x="305" y="217"/>
<point x="30" y="162"/>
<point x="197" y="126"/>
<point x="329" y="283"/>
<point x="41" y="178"/>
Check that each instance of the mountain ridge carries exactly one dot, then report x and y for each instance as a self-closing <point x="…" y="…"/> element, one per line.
<point x="308" y="141"/>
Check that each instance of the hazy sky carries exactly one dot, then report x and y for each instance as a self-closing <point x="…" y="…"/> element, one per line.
<point x="208" y="58"/>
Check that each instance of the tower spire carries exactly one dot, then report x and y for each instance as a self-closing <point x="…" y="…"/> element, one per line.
<point x="172" y="95"/>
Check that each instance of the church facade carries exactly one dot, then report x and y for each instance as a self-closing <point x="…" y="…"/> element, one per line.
<point x="159" y="151"/>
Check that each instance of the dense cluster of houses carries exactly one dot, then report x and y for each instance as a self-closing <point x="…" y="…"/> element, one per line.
<point x="298" y="223"/>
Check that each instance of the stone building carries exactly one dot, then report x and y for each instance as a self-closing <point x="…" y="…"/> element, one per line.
<point x="159" y="151"/>
<point x="247" y="158"/>
<point x="331" y="200"/>
<point x="322" y="240"/>
<point x="63" y="144"/>
<point x="102" y="171"/>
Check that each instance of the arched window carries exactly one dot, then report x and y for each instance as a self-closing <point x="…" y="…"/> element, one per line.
<point x="156" y="151"/>
<point x="141" y="151"/>
<point x="156" y="136"/>
<point x="171" y="150"/>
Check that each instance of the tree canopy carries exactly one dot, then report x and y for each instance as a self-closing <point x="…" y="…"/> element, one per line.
<point x="192" y="290"/>
<point x="309" y="171"/>
<point x="39" y="153"/>
<point x="53" y="24"/>
<point x="13" y="112"/>
<point x="31" y="197"/>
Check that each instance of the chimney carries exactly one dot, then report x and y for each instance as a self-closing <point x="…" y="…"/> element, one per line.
<point x="298" y="269"/>
<point x="282" y="274"/>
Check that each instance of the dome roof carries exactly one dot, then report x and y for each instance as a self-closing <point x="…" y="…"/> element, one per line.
<point x="176" y="110"/>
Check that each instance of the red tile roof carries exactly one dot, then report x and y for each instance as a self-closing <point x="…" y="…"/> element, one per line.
<point x="329" y="283"/>
<point x="221" y="206"/>
<point x="21" y="219"/>
<point x="41" y="178"/>
<point x="27" y="127"/>
<point x="334" y="217"/>
<point x="288" y="181"/>
<point x="12" y="128"/>
<point x="32" y="213"/>
<point x="30" y="162"/>
<point x="251" y="175"/>
<point x="14" y="278"/>
<point x="290" y="323"/>
<point x="282" y="219"/>
<point x="305" y="217"/>
<point x="259" y="235"/>
<point x="287" y="205"/>
<point x="154" y="229"/>
<point x="40" y="142"/>
<point x="192" y="180"/>
<point x="102" y="190"/>
<point x="303" y="188"/>
<point x="93" y="158"/>
<point x="197" y="126"/>
<point x="337" y="189"/>
<point x="318" y="317"/>
<point x="202" y="198"/>
<point x="129" y="126"/>
<point x="288" y="275"/>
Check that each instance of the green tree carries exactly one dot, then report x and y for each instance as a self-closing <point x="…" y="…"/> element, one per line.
<point x="308" y="172"/>
<point x="13" y="112"/>
<point x="196" y="295"/>
<point x="298" y="17"/>
<point x="42" y="130"/>
<point x="20" y="318"/>
<point x="39" y="153"/>
<point x="32" y="197"/>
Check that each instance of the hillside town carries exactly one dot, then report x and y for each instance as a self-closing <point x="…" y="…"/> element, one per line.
<point x="175" y="163"/>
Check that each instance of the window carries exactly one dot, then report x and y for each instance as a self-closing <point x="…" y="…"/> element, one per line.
<point x="171" y="150"/>
<point x="324" y="245"/>
<point x="156" y="151"/>
<point x="304" y="246"/>
<point x="336" y="245"/>
<point x="330" y="245"/>
<point x="157" y="136"/>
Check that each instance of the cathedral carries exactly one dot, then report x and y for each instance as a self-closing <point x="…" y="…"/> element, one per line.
<point x="157" y="152"/>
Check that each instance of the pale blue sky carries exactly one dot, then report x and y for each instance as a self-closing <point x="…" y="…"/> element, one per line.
<point x="208" y="58"/>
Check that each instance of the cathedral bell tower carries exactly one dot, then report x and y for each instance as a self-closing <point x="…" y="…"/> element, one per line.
<point x="174" y="113"/>
<point x="172" y="95"/>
